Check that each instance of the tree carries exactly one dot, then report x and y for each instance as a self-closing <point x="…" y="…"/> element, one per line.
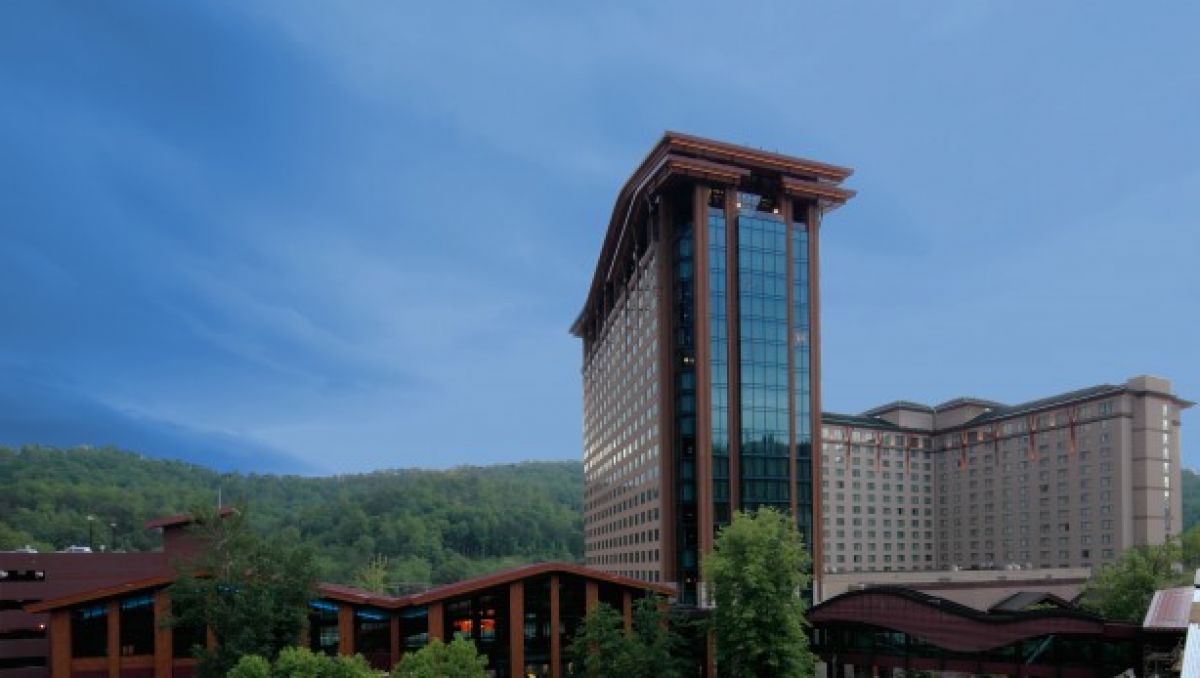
<point x="603" y="648"/>
<point x="251" y="666"/>
<point x="300" y="662"/>
<point x="1123" y="589"/>
<point x="757" y="570"/>
<point x="373" y="576"/>
<point x="657" y="647"/>
<point x="1190" y="543"/>
<point x="458" y="659"/>
<point x="252" y="593"/>
<point x="600" y="647"/>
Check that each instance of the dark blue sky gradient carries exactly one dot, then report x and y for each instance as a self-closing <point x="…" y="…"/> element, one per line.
<point x="327" y="238"/>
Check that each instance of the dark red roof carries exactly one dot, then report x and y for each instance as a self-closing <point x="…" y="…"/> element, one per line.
<point x="181" y="519"/>
<point x="957" y="627"/>
<point x="349" y="594"/>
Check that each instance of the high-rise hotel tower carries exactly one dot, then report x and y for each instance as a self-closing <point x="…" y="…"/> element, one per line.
<point x="701" y="354"/>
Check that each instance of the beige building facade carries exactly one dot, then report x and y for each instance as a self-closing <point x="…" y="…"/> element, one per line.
<point x="1067" y="481"/>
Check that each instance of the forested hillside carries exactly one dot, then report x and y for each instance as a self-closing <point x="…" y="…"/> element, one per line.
<point x="1191" y="498"/>
<point x="432" y="526"/>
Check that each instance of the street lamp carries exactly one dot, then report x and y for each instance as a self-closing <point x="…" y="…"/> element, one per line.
<point x="91" y="531"/>
<point x="112" y="544"/>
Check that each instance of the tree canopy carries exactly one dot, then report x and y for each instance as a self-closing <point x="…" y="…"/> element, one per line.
<point x="457" y="659"/>
<point x="300" y="662"/>
<point x="250" y="592"/>
<point x="432" y="527"/>
<point x="757" y="571"/>
<point x="1123" y="589"/>
<point x="650" y="650"/>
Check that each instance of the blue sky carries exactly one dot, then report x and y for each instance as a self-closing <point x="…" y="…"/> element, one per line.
<point x="327" y="238"/>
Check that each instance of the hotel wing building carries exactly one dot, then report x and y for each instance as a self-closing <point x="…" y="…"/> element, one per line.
<point x="1066" y="481"/>
<point x="701" y="355"/>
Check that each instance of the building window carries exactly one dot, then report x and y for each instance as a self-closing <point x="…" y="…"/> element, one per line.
<point x="137" y="625"/>
<point x="89" y="631"/>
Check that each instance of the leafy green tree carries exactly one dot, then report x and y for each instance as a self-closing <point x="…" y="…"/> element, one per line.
<point x="1190" y="490"/>
<point x="1123" y="589"/>
<point x="757" y="569"/>
<point x="300" y="662"/>
<point x="251" y="666"/>
<point x="1189" y="542"/>
<point x="373" y="576"/>
<point x="600" y="647"/>
<point x="657" y="649"/>
<point x="252" y="593"/>
<point x="458" y="659"/>
<point x="354" y="666"/>
<point x="432" y="526"/>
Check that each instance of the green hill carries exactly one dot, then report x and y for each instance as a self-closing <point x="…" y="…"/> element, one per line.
<point x="1190" y="487"/>
<point x="433" y="526"/>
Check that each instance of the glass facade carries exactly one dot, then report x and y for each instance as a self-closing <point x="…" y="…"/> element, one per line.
<point x="372" y="637"/>
<point x="684" y="352"/>
<point x="802" y="374"/>
<point x="323" y="627"/>
<point x="89" y="631"/>
<point x="719" y="360"/>
<point x="1042" y="655"/>
<point x="764" y="462"/>
<point x="137" y="625"/>
<point x="483" y="619"/>
<point x="414" y="628"/>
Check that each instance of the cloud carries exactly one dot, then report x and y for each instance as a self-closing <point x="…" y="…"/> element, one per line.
<point x="33" y="411"/>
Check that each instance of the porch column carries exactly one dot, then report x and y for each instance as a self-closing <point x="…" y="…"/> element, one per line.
<point x="345" y="629"/>
<point x="394" y="645"/>
<point x="516" y="628"/>
<point x="436" y="622"/>
<point x="164" y="639"/>
<point x="627" y="610"/>
<point x="592" y="594"/>
<point x="555" y="640"/>
<point x="60" y="644"/>
<point x="114" y="639"/>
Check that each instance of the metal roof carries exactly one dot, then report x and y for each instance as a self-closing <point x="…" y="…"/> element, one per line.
<point x="1170" y="609"/>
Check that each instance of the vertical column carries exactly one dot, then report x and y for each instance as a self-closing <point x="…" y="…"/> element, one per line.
<point x="163" y="638"/>
<point x="60" y="644"/>
<point x="733" y="339"/>
<point x="627" y="610"/>
<point x="516" y="628"/>
<point x="394" y="636"/>
<point x="701" y="327"/>
<point x="667" y="499"/>
<point x="345" y="629"/>
<point x="786" y="204"/>
<point x="114" y="639"/>
<point x="591" y="594"/>
<point x="555" y="639"/>
<point x="436" y="620"/>
<point x="814" y="342"/>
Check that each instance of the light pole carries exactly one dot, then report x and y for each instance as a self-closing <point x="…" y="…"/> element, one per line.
<point x="91" y="531"/>
<point x="112" y="544"/>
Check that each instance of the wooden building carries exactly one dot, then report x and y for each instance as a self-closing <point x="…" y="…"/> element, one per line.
<point x="522" y="619"/>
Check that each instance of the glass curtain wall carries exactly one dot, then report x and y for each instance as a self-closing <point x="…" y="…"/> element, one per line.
<point x="801" y="374"/>
<point x="763" y="327"/>
<point x="685" y="400"/>
<point x="719" y="349"/>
